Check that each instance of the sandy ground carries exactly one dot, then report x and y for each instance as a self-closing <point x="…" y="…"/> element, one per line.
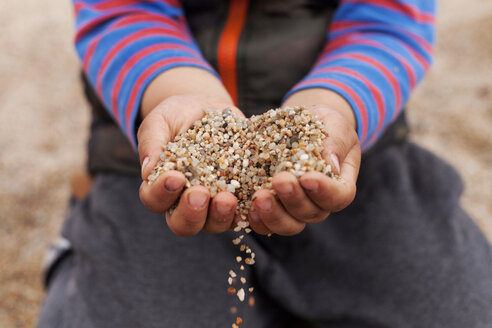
<point x="44" y="124"/>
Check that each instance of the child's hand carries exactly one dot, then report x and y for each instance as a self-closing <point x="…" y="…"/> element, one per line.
<point x="195" y="212"/>
<point x="312" y="197"/>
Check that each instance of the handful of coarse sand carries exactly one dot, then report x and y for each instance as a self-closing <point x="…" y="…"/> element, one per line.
<point x="225" y="152"/>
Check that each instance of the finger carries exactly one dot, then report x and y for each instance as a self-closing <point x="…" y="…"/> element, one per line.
<point x="329" y="194"/>
<point x="274" y="216"/>
<point x="342" y="150"/>
<point x="256" y="223"/>
<point x="152" y="135"/>
<point x="160" y="195"/>
<point x="334" y="194"/>
<point x="337" y="146"/>
<point x="189" y="216"/>
<point x="220" y="213"/>
<point x="342" y="137"/>
<point x="351" y="165"/>
<point x="295" y="200"/>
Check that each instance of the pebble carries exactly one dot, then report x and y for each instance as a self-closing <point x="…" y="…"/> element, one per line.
<point x="240" y="294"/>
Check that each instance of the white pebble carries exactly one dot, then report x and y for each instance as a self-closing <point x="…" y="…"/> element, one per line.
<point x="240" y="294"/>
<point x="243" y="224"/>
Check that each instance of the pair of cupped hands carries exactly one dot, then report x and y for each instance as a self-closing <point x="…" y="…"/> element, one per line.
<point x="299" y="201"/>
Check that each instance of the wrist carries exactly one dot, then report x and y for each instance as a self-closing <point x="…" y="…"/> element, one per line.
<point x="184" y="81"/>
<point x="326" y="97"/>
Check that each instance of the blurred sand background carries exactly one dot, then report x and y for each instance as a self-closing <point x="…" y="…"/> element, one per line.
<point x="44" y="126"/>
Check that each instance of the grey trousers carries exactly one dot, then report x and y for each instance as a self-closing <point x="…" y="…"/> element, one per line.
<point x="403" y="254"/>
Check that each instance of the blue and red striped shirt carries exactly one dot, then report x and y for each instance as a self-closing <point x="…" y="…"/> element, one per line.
<point x="375" y="54"/>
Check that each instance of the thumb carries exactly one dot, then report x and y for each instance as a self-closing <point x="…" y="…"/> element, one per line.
<point x="153" y="134"/>
<point x="342" y="149"/>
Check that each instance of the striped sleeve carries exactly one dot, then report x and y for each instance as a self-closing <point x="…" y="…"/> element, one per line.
<point x="376" y="53"/>
<point x="124" y="44"/>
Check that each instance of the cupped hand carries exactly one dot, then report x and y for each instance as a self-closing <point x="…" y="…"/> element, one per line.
<point x="196" y="211"/>
<point x="312" y="197"/>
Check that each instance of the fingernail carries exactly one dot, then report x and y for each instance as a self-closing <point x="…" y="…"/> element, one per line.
<point x="144" y="163"/>
<point x="285" y="188"/>
<point x="172" y="184"/>
<point x="335" y="162"/>
<point x="310" y="185"/>
<point x="265" y="204"/>
<point x="197" y="200"/>
<point x="253" y="216"/>
<point x="224" y="209"/>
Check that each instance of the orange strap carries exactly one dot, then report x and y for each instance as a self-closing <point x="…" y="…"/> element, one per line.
<point x="227" y="48"/>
